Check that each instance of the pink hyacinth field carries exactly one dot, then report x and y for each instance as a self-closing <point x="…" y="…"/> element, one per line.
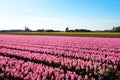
<point x="59" y="58"/>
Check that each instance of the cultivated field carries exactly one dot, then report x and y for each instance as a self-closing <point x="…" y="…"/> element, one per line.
<point x="59" y="58"/>
<point x="78" y="34"/>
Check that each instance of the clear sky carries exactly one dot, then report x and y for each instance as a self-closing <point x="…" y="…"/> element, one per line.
<point x="59" y="14"/>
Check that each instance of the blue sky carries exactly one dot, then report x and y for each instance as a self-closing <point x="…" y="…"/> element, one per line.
<point x="59" y="14"/>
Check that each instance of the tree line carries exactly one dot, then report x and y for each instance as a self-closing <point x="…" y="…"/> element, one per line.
<point x="114" y="29"/>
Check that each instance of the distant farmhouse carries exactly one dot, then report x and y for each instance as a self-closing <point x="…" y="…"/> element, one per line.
<point x="116" y="29"/>
<point x="77" y="30"/>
